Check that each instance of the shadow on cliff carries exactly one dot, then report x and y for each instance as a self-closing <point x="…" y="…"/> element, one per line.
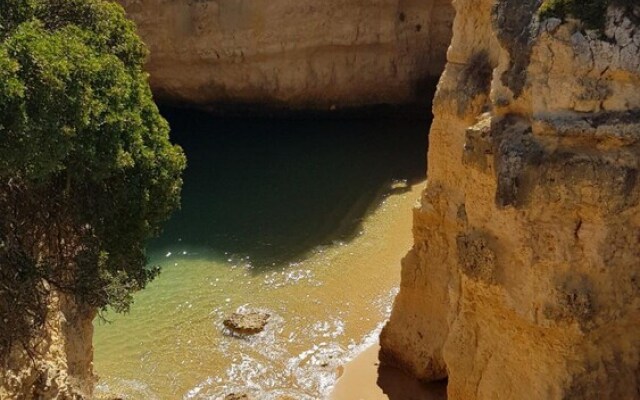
<point x="273" y="189"/>
<point x="399" y="386"/>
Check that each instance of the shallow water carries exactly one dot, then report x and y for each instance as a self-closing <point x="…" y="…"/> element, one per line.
<point x="305" y="219"/>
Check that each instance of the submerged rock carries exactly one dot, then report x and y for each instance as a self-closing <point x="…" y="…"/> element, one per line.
<point x="247" y="323"/>
<point x="234" y="396"/>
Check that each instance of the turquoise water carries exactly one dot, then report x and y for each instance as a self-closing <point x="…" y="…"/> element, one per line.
<point x="305" y="219"/>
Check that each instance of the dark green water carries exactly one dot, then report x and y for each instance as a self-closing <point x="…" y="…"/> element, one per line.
<point x="274" y="189"/>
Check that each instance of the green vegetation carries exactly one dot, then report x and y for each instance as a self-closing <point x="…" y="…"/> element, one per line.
<point x="87" y="172"/>
<point x="591" y="12"/>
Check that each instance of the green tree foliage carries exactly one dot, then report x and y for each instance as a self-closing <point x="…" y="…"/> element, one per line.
<point x="87" y="172"/>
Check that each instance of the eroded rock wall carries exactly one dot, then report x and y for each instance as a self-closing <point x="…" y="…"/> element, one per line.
<point x="297" y="54"/>
<point x="524" y="280"/>
<point x="59" y="364"/>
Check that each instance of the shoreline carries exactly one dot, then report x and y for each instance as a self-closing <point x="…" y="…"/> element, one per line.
<point x="364" y="379"/>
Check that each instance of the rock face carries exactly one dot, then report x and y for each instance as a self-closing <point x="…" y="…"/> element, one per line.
<point x="61" y="365"/>
<point x="295" y="54"/>
<point x="524" y="280"/>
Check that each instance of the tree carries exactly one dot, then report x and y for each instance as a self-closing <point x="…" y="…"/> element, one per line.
<point x="87" y="172"/>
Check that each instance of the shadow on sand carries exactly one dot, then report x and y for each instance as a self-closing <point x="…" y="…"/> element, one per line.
<point x="396" y="385"/>
<point x="364" y="378"/>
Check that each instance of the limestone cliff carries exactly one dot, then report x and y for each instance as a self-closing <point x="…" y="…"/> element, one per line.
<point x="296" y="54"/>
<point x="524" y="280"/>
<point x="59" y="363"/>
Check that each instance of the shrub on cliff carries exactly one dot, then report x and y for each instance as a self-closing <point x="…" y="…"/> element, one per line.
<point x="591" y="12"/>
<point x="87" y="172"/>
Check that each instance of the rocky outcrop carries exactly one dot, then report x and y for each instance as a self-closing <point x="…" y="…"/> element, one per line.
<point x="246" y="322"/>
<point x="59" y="363"/>
<point x="524" y="280"/>
<point x="293" y="54"/>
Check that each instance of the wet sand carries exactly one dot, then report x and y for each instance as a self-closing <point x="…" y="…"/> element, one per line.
<point x="364" y="379"/>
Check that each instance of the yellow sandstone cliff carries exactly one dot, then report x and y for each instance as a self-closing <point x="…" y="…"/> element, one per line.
<point x="524" y="280"/>
<point x="294" y="54"/>
<point x="59" y="363"/>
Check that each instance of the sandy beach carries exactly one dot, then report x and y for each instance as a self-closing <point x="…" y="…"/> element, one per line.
<point x="364" y="379"/>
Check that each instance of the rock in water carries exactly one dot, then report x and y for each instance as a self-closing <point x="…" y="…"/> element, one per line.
<point x="247" y="323"/>
<point x="234" y="396"/>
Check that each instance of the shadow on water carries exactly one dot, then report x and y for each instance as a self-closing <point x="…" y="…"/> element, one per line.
<point x="272" y="190"/>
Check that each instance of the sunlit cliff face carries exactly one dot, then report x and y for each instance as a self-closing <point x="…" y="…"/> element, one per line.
<point x="298" y="54"/>
<point x="523" y="279"/>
